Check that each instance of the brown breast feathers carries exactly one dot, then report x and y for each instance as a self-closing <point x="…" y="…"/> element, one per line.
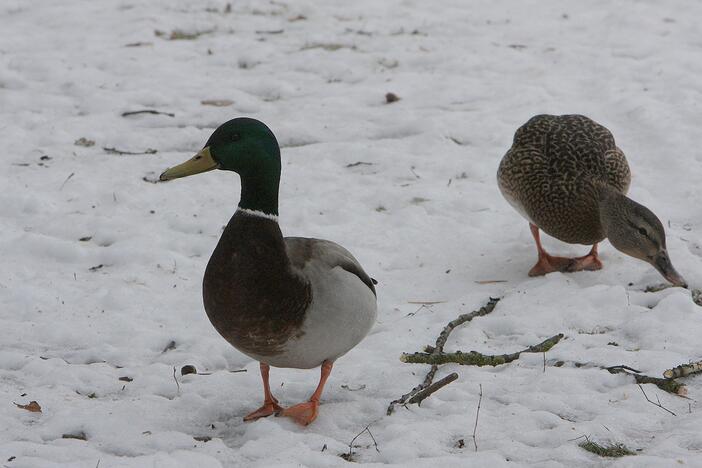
<point x="252" y="296"/>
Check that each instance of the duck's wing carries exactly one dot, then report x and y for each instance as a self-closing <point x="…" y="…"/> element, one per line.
<point x="562" y="147"/>
<point x="302" y="250"/>
<point x="551" y="172"/>
<point x="618" y="172"/>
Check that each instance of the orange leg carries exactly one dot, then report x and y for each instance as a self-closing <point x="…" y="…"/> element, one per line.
<point x="548" y="263"/>
<point x="270" y="404"/>
<point x="305" y="413"/>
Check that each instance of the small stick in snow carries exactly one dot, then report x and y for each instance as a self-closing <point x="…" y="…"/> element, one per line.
<point x="67" y="179"/>
<point x="624" y="368"/>
<point x="683" y="370"/>
<point x="358" y="163"/>
<point x="436" y="386"/>
<point x="176" y="379"/>
<point x="147" y="111"/>
<point x="654" y="403"/>
<point x="423" y="306"/>
<point x="113" y="150"/>
<point x="477" y="415"/>
<point x="360" y="387"/>
<point x="474" y="358"/>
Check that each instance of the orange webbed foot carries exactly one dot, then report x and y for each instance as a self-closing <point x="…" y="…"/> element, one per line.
<point x="589" y="262"/>
<point x="303" y="413"/>
<point x="267" y="409"/>
<point x="549" y="264"/>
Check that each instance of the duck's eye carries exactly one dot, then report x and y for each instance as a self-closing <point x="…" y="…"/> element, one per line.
<point x="643" y="232"/>
<point x="235" y="137"/>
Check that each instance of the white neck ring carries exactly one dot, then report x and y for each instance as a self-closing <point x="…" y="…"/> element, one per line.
<point x="259" y="214"/>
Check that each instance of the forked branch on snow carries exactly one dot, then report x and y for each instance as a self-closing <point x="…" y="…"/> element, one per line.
<point x="438" y="349"/>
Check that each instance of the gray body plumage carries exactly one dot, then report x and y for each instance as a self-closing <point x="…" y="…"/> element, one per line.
<point x="343" y="307"/>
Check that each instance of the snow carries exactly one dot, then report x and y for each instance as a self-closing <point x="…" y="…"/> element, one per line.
<point x="424" y="216"/>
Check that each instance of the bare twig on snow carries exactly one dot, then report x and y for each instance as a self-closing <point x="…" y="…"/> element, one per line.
<point x="176" y="379"/>
<point x="654" y="403"/>
<point x="147" y="111"/>
<point x="426" y="392"/>
<point x="477" y="415"/>
<point x="113" y="150"/>
<point x="67" y="179"/>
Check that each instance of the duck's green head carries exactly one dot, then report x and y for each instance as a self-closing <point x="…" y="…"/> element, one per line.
<point x="247" y="147"/>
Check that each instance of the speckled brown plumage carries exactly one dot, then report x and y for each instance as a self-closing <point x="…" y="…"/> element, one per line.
<point x="553" y="172"/>
<point x="252" y="294"/>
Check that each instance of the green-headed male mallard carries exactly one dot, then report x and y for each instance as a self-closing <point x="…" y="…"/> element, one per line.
<point x="286" y="302"/>
<point x="566" y="176"/>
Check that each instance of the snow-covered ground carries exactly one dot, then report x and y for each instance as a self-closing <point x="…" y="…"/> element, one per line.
<point x="101" y="270"/>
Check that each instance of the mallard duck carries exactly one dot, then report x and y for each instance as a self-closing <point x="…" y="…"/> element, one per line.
<point x="286" y="302"/>
<point x="567" y="177"/>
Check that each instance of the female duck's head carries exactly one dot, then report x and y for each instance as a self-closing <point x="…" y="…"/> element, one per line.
<point x="634" y="229"/>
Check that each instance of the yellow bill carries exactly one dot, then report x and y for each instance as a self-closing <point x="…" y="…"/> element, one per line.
<point x="201" y="162"/>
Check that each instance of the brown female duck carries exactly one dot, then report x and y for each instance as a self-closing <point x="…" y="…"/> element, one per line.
<point x="566" y="176"/>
